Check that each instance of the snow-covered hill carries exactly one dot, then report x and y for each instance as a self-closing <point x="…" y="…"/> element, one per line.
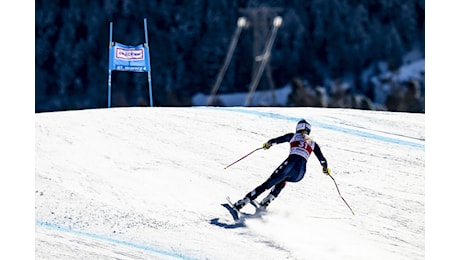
<point x="148" y="183"/>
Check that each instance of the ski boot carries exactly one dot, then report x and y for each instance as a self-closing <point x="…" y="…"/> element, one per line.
<point x="266" y="201"/>
<point x="241" y="203"/>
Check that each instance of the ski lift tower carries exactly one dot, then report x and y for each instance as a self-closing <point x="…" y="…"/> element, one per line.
<point x="262" y="19"/>
<point x="241" y="24"/>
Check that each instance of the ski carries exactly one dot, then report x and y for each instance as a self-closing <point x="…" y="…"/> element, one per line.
<point x="232" y="209"/>
<point x="256" y="204"/>
<point x="240" y="216"/>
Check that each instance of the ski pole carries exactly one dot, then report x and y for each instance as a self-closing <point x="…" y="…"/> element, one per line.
<point x="341" y="194"/>
<point x="242" y="157"/>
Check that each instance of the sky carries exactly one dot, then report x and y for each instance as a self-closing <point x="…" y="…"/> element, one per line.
<point x="148" y="183"/>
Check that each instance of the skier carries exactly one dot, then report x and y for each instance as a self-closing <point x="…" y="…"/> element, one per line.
<point x="292" y="169"/>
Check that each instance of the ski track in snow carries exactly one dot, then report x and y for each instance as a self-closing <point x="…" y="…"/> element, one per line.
<point x="96" y="196"/>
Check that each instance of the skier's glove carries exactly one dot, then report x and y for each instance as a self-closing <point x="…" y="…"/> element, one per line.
<point x="326" y="170"/>
<point x="267" y="145"/>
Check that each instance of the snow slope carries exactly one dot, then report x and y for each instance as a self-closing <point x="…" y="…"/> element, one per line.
<point x="148" y="183"/>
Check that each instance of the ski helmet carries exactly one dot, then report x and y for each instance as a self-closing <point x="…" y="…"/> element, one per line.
<point x="303" y="125"/>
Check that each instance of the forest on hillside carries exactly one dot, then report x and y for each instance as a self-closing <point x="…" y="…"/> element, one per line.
<point x="319" y="40"/>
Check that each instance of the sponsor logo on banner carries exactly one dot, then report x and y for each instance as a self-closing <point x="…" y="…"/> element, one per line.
<point x="130" y="68"/>
<point x="129" y="54"/>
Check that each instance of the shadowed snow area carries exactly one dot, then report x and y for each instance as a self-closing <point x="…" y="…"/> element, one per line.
<point x="148" y="183"/>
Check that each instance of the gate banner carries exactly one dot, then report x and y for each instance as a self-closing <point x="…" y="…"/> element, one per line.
<point x="129" y="58"/>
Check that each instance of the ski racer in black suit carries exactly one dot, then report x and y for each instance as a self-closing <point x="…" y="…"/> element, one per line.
<point x="292" y="169"/>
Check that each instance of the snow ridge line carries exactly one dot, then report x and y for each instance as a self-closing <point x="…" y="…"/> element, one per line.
<point x="322" y="125"/>
<point x="108" y="239"/>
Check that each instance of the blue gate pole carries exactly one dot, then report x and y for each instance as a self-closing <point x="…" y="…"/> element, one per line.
<point x="149" y="76"/>
<point x="110" y="71"/>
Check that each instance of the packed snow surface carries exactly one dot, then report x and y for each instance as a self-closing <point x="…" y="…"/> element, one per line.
<point x="148" y="183"/>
